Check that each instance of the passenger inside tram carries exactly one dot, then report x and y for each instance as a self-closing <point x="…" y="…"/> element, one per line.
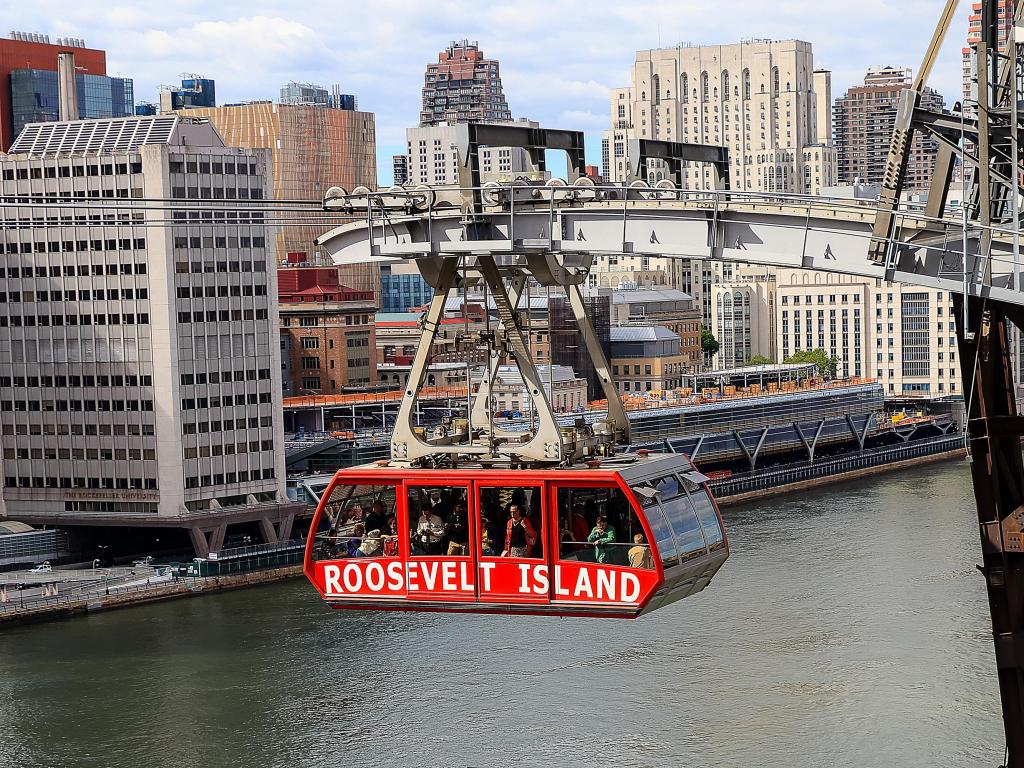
<point x="598" y="525"/>
<point x="359" y="522"/>
<point x="438" y="522"/>
<point x="513" y="520"/>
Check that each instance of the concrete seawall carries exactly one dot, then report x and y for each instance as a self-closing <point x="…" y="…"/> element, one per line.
<point x="60" y="607"/>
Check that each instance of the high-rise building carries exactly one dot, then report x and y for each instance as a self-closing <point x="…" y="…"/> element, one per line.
<point x="402" y="288"/>
<point x="400" y="168"/>
<point x="327" y="332"/>
<point x="139" y="380"/>
<point x="463" y="87"/>
<point x="974" y="37"/>
<point x="310" y="94"/>
<point x="35" y="97"/>
<point x="313" y="148"/>
<point x="194" y="92"/>
<point x="757" y="98"/>
<point x="35" y="57"/>
<point x="762" y="100"/>
<point x="864" y="120"/>
<point x="566" y="347"/>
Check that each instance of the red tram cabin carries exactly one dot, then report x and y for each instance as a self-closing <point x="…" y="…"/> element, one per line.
<point x="620" y="537"/>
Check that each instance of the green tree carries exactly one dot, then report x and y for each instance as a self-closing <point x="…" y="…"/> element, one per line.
<point x="708" y="343"/>
<point x="760" y="360"/>
<point x="826" y="363"/>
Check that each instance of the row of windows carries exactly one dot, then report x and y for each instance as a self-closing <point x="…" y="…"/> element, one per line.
<point x="70" y="171"/>
<point x="205" y="481"/>
<point x="821" y="299"/>
<point x="207" y="166"/>
<point x="314" y="321"/>
<point x="223" y="315"/>
<point x="81" y="454"/>
<point x="63" y="382"/>
<point x="97" y="294"/>
<point x="78" y="430"/>
<point x="180" y="241"/>
<point x="226" y="401"/>
<point x="75" y="270"/>
<point x="124" y="219"/>
<point x="29" y="321"/>
<point x="229" y="449"/>
<point x="223" y="217"/>
<point x="215" y="377"/>
<point x="821" y="314"/>
<point x="217" y="193"/>
<point x="76" y="406"/>
<point x="112" y="507"/>
<point x="75" y="246"/>
<point x="209" y="267"/>
<point x="221" y="291"/>
<point x="109" y="483"/>
<point x="202" y="427"/>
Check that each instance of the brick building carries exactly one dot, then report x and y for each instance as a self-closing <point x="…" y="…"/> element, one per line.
<point x="327" y="332"/>
<point x="864" y="120"/>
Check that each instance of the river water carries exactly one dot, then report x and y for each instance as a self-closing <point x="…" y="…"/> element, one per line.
<point x="849" y="628"/>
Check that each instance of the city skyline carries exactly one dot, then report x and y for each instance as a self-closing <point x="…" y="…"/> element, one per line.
<point x="379" y="53"/>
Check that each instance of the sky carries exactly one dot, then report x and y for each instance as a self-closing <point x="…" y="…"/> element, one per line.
<point x="559" y="58"/>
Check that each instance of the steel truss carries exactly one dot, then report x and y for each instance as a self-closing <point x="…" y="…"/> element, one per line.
<point x="985" y="138"/>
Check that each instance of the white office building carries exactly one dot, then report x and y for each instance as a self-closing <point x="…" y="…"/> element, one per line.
<point x="139" y="357"/>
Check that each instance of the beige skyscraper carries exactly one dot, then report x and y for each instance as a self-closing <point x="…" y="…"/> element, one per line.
<point x="765" y="102"/>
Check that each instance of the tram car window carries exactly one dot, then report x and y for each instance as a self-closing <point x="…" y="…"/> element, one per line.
<point x="438" y="521"/>
<point x="359" y="521"/>
<point x="622" y="541"/>
<point x="513" y="520"/>
<point x="681" y="516"/>
<point x="713" y="533"/>
<point x="664" y="539"/>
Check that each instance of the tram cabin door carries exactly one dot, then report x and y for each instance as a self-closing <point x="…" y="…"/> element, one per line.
<point x="440" y="532"/>
<point x="512" y="541"/>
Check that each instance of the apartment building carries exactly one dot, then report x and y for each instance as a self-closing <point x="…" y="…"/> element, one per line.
<point x="433" y="157"/>
<point x="865" y="117"/>
<point x="762" y="99"/>
<point x="138" y="353"/>
<point x="463" y="86"/>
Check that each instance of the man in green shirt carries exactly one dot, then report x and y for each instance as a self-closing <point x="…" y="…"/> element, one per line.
<point x="602" y="535"/>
